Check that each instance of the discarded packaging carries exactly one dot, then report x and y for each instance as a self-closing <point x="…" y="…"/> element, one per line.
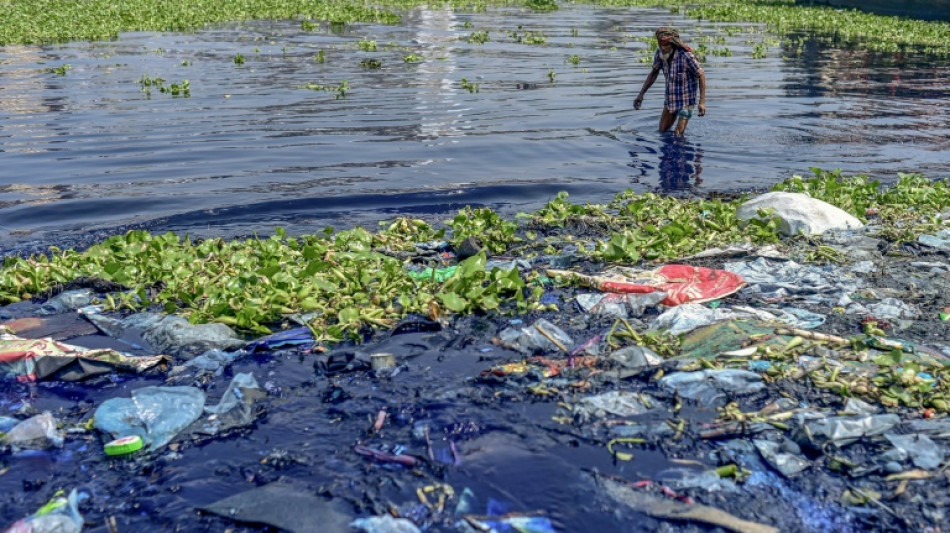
<point x="156" y="414"/>
<point x="35" y="433"/>
<point x="382" y="360"/>
<point x="786" y="463"/>
<point x="384" y="524"/>
<point x="124" y="446"/>
<point x="923" y="452"/>
<point x="845" y="430"/>
<point x="59" y="515"/>
<point x="712" y="386"/>
<point x="171" y="334"/>
<point x="682" y="283"/>
<point x="47" y="359"/>
<point x="236" y="408"/>
<point x="539" y="338"/>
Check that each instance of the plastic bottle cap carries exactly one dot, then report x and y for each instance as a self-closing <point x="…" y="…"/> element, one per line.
<point x="124" y="445"/>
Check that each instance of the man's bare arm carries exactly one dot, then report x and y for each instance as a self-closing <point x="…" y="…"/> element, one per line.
<point x="638" y="101"/>
<point x="702" y="92"/>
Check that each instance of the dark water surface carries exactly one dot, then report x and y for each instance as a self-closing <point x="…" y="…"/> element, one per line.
<point x="251" y="148"/>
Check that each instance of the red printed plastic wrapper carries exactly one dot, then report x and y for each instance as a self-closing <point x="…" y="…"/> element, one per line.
<point x="681" y="283"/>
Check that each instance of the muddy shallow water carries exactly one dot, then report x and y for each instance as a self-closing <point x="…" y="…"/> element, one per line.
<point x="251" y="148"/>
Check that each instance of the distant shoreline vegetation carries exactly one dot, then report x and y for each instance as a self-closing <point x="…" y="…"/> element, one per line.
<point x="54" y="21"/>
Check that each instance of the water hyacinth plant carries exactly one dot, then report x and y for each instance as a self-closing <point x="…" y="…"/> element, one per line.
<point x="352" y="280"/>
<point x="785" y="17"/>
<point x="49" y="21"/>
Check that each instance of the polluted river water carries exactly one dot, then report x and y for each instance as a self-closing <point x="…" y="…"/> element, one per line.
<point x="285" y="126"/>
<point x="253" y="147"/>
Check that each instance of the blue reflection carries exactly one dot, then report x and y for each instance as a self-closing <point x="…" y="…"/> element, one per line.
<point x="680" y="163"/>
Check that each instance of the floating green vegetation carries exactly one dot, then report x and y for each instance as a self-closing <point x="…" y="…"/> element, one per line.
<point x="177" y="89"/>
<point x="469" y="86"/>
<point x="527" y="37"/>
<point x="573" y="60"/>
<point x="367" y="45"/>
<point x="371" y="63"/>
<point x="340" y="89"/>
<point x="147" y="81"/>
<point x="239" y="59"/>
<point x="870" y="31"/>
<point x="541" y="5"/>
<point x="351" y="281"/>
<point x="412" y="58"/>
<point x="479" y="37"/>
<point x="51" y="21"/>
<point x="905" y="210"/>
<point x="61" y="70"/>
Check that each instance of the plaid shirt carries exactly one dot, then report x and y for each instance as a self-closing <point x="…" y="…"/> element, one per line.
<point x="682" y="78"/>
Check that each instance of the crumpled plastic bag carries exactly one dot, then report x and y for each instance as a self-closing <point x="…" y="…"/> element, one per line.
<point x="687" y="317"/>
<point x="157" y="414"/>
<point x="212" y="362"/>
<point x="619" y="305"/>
<point x="800" y="318"/>
<point x="47" y="359"/>
<point x="538" y="338"/>
<point x="384" y="524"/>
<point x="710" y="386"/>
<point x="66" y="301"/>
<point x="171" y="334"/>
<point x="923" y="451"/>
<point x="236" y="408"/>
<point x="845" y="430"/>
<point x="777" y="280"/>
<point x="892" y="308"/>
<point x="291" y="337"/>
<point x="786" y="463"/>
<point x="635" y="357"/>
<point x="59" y="515"/>
<point x="613" y="403"/>
<point x="35" y="433"/>
<point x="690" y="478"/>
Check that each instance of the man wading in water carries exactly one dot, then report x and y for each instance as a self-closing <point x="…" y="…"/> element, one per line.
<point x="683" y="73"/>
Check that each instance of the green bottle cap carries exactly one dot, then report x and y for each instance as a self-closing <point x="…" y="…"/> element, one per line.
<point x="123" y="446"/>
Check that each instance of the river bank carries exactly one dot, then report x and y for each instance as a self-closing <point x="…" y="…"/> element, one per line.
<point x="810" y="399"/>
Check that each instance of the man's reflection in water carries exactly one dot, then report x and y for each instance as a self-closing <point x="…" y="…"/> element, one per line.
<point x="680" y="162"/>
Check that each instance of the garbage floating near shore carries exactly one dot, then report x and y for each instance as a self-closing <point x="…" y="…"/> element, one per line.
<point x="824" y="382"/>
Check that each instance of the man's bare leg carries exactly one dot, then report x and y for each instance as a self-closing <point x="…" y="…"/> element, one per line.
<point x="681" y="126"/>
<point x="667" y="119"/>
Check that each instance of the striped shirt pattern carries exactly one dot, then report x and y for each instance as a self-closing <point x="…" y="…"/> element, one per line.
<point x="682" y="78"/>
